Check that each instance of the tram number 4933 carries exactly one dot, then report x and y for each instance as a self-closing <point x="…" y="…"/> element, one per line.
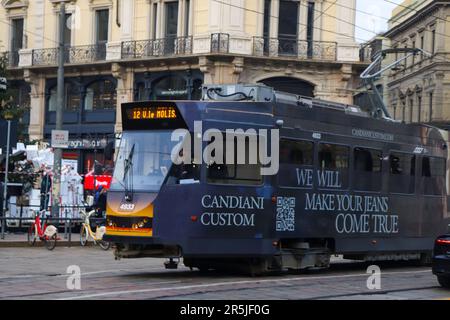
<point x="127" y="207"/>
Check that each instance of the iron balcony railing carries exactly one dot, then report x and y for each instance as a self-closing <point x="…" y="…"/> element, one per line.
<point x="157" y="47"/>
<point x="220" y="43"/>
<point x="76" y="54"/>
<point x="301" y="49"/>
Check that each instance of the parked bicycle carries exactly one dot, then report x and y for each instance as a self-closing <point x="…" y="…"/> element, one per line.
<point x="86" y="231"/>
<point x="46" y="233"/>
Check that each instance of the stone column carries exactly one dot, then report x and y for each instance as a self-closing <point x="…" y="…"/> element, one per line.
<point x="125" y="85"/>
<point x="303" y="20"/>
<point x="318" y="16"/>
<point x="274" y="17"/>
<point x="37" y="104"/>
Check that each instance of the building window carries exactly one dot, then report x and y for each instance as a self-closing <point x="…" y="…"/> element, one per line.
<point x="171" y="23"/>
<point x="186" y="17"/>
<point x="17" y="34"/>
<point x="155" y="20"/>
<point x="394" y="106"/>
<point x="102" y="26"/>
<point x="413" y="56"/>
<point x="419" y="108"/>
<point x="100" y="95"/>
<point x="433" y="41"/>
<point x="288" y="27"/>
<point x="422" y="43"/>
<point x="411" y="107"/>
<point x="431" y="106"/>
<point x="310" y="28"/>
<point x="403" y="110"/>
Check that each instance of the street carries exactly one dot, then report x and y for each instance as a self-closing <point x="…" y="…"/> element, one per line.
<point x="36" y="273"/>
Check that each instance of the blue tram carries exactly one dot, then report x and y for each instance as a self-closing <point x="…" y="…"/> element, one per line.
<point x="301" y="179"/>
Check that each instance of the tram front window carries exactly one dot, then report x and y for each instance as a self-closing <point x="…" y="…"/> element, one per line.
<point x="148" y="154"/>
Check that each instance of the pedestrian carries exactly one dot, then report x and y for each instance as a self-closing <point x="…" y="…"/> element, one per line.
<point x="1" y="198"/>
<point x="100" y="201"/>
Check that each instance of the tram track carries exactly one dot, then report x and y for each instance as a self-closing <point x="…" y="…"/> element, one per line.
<point x="216" y="287"/>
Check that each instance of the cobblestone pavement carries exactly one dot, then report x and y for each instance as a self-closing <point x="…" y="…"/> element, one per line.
<point x="36" y="273"/>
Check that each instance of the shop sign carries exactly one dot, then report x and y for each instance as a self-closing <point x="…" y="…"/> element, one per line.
<point x="172" y="92"/>
<point x="87" y="143"/>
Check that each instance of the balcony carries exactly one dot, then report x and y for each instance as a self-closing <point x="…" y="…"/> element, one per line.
<point x="11" y="57"/>
<point x="216" y="43"/>
<point x="72" y="55"/>
<point x="171" y="46"/>
<point x="300" y="49"/>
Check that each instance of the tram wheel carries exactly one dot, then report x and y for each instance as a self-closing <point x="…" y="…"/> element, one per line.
<point x="444" y="281"/>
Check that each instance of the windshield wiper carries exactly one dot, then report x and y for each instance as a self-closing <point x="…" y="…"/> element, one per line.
<point x="127" y="179"/>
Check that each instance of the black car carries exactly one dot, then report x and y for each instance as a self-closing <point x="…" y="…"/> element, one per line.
<point x="441" y="260"/>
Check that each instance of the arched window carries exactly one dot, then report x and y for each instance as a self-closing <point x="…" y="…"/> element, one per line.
<point x="71" y="98"/>
<point x="100" y="95"/>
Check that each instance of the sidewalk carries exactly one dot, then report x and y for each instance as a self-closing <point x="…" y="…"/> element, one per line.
<point x="20" y="240"/>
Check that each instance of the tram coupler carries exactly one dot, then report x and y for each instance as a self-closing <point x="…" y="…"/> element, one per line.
<point x="171" y="264"/>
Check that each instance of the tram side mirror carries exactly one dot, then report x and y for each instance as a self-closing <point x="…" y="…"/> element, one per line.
<point x="109" y="150"/>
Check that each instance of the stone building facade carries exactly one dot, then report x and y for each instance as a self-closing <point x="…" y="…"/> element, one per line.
<point x="419" y="90"/>
<point x="129" y="50"/>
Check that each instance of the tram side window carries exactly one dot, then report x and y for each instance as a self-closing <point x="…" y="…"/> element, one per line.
<point x="184" y="173"/>
<point x="296" y="161"/>
<point x="402" y="171"/>
<point x="333" y="158"/>
<point x="367" y="167"/>
<point x="241" y="174"/>
<point x="433" y="175"/>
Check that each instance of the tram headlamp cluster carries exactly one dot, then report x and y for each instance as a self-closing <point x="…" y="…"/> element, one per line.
<point x="140" y="224"/>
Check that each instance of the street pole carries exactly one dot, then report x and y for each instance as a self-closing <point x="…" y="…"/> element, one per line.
<point x="56" y="184"/>
<point x="5" y="187"/>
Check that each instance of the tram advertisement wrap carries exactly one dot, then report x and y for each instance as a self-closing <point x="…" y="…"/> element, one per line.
<point x="354" y="213"/>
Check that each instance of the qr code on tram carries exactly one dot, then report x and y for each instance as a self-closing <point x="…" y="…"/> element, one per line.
<point x="285" y="214"/>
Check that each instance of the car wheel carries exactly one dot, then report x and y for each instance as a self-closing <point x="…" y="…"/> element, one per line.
<point x="444" y="281"/>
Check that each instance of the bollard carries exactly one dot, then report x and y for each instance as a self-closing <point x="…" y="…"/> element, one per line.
<point x="65" y="224"/>
<point x="70" y="233"/>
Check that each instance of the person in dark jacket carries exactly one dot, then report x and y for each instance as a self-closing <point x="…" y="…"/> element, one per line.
<point x="100" y="201"/>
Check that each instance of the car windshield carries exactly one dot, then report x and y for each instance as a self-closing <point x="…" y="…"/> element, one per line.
<point x="143" y="158"/>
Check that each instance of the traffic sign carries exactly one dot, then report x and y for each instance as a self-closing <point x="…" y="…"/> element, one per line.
<point x="60" y="139"/>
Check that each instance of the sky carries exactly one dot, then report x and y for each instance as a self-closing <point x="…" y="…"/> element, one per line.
<point x="371" y="17"/>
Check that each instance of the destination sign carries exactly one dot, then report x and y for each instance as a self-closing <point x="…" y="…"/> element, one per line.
<point x="150" y="113"/>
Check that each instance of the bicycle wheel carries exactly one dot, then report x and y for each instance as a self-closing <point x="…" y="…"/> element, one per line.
<point x="84" y="235"/>
<point x="30" y="235"/>
<point x="50" y="243"/>
<point x="105" y="245"/>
